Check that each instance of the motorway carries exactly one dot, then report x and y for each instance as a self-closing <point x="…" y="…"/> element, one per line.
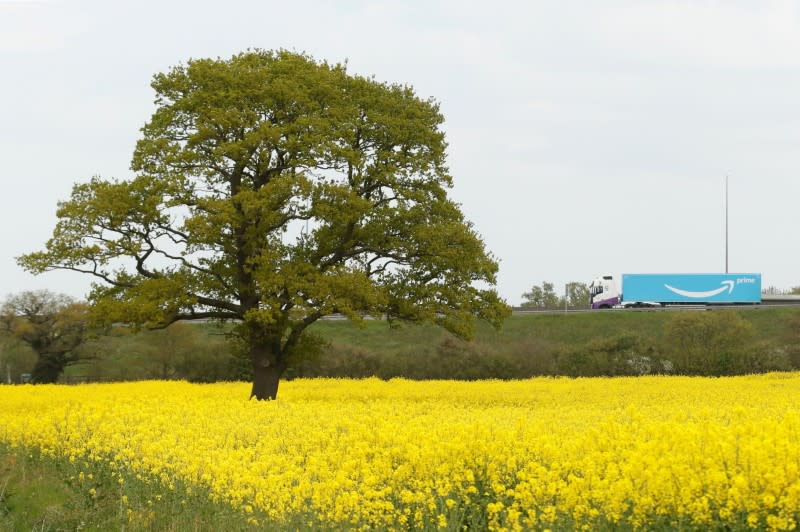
<point x="522" y="311"/>
<point x="767" y="301"/>
<point x="771" y="301"/>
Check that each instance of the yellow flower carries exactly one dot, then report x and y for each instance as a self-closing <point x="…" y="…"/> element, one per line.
<point x="371" y="454"/>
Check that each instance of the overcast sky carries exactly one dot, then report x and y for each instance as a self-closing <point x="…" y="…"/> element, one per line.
<point x="585" y="138"/>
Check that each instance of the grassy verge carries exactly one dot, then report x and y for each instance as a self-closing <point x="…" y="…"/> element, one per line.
<point x="527" y="345"/>
<point x="569" y="329"/>
<point x="33" y="497"/>
<point x="46" y="494"/>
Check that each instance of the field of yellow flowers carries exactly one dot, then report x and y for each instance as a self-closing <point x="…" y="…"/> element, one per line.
<point x="666" y="452"/>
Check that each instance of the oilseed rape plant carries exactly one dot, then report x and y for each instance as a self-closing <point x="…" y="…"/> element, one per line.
<point x="640" y="453"/>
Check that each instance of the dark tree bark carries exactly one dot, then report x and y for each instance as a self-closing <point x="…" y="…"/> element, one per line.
<point x="48" y="368"/>
<point x="266" y="380"/>
<point x="268" y="366"/>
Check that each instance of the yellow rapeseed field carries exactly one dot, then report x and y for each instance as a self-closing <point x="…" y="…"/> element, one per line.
<point x="532" y="454"/>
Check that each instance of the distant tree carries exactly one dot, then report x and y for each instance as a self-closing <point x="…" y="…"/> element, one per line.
<point x="16" y="358"/>
<point x="577" y="295"/>
<point x="775" y="291"/>
<point x="273" y="189"/>
<point x="53" y="325"/>
<point x="161" y="352"/>
<point x="543" y="296"/>
<point x="175" y="344"/>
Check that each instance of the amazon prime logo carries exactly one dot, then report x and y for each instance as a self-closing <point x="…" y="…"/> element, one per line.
<point x="726" y="285"/>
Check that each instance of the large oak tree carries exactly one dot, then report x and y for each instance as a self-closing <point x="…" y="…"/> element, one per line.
<point x="273" y="189"/>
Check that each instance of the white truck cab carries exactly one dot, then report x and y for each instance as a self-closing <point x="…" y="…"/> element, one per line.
<point x="604" y="292"/>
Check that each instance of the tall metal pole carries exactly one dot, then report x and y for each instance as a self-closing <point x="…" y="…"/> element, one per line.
<point x="726" y="224"/>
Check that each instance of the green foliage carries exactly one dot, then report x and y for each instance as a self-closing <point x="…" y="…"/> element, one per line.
<point x="575" y="344"/>
<point x="16" y="358"/>
<point x="53" y="325"/>
<point x="239" y="155"/>
<point x="343" y="360"/>
<point x="31" y="498"/>
<point x="528" y="345"/>
<point x="790" y="338"/>
<point x="180" y="351"/>
<point x="577" y="294"/>
<point x="622" y="354"/>
<point x="543" y="296"/>
<point x="51" y="494"/>
<point x="717" y="343"/>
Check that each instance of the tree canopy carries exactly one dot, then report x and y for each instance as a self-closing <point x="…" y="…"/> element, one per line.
<point x="53" y="325"/>
<point x="577" y="294"/>
<point x="274" y="189"/>
<point x="543" y="296"/>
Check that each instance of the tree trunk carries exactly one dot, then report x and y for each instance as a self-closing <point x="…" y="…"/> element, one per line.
<point x="268" y="366"/>
<point x="48" y="367"/>
<point x="265" y="381"/>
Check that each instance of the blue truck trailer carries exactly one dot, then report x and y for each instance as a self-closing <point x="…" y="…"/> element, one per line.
<point x="658" y="289"/>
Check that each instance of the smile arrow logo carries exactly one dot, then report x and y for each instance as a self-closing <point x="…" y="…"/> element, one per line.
<point x="727" y="285"/>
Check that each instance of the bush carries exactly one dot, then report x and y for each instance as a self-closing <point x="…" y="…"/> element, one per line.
<point x="622" y="354"/>
<point x="338" y="360"/>
<point x="532" y="356"/>
<point x="790" y="339"/>
<point x="717" y="343"/>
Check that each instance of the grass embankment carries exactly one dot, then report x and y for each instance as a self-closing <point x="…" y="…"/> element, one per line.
<point x="527" y="345"/>
<point x="583" y="344"/>
<point x="567" y="329"/>
<point x="33" y="497"/>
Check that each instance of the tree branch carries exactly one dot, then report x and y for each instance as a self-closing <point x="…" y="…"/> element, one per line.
<point x="93" y="272"/>
<point x="220" y="304"/>
<point x="298" y="328"/>
<point x="206" y="315"/>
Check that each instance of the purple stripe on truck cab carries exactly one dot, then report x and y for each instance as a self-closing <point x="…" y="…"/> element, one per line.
<point x="606" y="302"/>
